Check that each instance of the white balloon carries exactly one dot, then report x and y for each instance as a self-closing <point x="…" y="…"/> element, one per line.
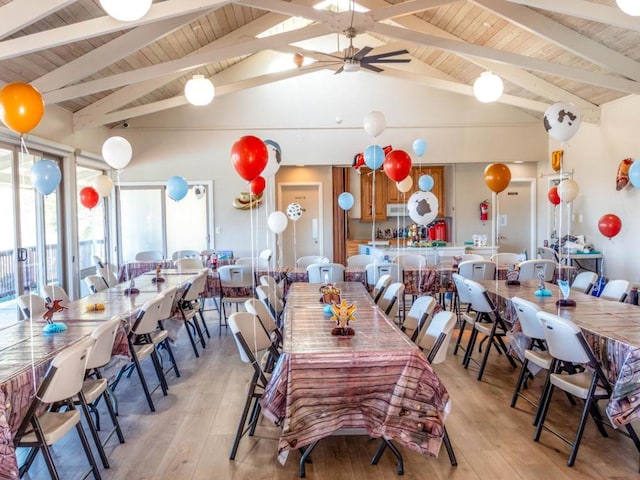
<point x="568" y="190"/>
<point x="423" y="207"/>
<point x="405" y="185"/>
<point x="117" y="152"/>
<point x="103" y="185"/>
<point x="374" y="123"/>
<point x="277" y="222"/>
<point x="562" y="120"/>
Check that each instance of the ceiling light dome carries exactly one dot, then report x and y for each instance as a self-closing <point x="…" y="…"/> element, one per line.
<point x="488" y="87"/>
<point x="126" y="10"/>
<point x="630" y="7"/>
<point x="199" y="90"/>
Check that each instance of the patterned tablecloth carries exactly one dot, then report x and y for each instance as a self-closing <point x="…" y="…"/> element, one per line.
<point x="377" y="380"/>
<point x="611" y="328"/>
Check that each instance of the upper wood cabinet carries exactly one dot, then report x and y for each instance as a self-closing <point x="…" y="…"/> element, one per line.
<point x="368" y="208"/>
<point x="437" y="173"/>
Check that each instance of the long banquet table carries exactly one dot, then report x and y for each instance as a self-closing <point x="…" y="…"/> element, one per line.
<point x="26" y="351"/>
<point x="377" y="379"/>
<point x="611" y="328"/>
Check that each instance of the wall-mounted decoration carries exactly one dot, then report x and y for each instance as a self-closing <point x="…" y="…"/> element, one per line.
<point x="247" y="200"/>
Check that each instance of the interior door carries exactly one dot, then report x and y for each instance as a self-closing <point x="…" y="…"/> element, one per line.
<point x="304" y="236"/>
<point x="514" y="220"/>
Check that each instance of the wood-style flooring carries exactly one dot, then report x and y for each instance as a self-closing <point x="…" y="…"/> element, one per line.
<point x="190" y="434"/>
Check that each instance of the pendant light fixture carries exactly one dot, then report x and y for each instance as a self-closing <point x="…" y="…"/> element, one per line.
<point x="126" y="10"/>
<point x="199" y="90"/>
<point x="488" y="87"/>
<point x="630" y="7"/>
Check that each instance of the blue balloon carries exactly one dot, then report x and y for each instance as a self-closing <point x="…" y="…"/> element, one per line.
<point x="634" y="174"/>
<point x="45" y="176"/>
<point x="419" y="146"/>
<point x="373" y="156"/>
<point x="327" y="310"/>
<point x="177" y="188"/>
<point x="345" y="201"/>
<point x="425" y="182"/>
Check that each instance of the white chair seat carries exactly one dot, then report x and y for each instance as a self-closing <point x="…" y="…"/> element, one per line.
<point x="542" y="359"/>
<point x="159" y="336"/>
<point x="470" y="319"/>
<point x="143" y="351"/>
<point x="485" y="328"/>
<point x="576" y="384"/>
<point x="93" y="388"/>
<point x="55" y="425"/>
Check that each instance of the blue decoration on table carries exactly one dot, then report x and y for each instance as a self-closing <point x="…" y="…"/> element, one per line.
<point x="327" y="310"/>
<point x="565" y="289"/>
<point x="541" y="291"/>
<point x="54" y="327"/>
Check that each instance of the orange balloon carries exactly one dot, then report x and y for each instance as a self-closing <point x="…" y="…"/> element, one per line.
<point x="497" y="176"/>
<point x="21" y="107"/>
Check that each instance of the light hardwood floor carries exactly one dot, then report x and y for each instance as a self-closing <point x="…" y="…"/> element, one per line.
<point x="190" y="434"/>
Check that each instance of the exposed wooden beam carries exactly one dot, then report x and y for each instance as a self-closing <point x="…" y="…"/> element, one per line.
<point x="109" y="53"/>
<point x="406" y="8"/>
<point x="288" y="8"/>
<point x="183" y="64"/>
<point x="462" y="48"/>
<point x="18" y="14"/>
<point x="100" y="26"/>
<point x="562" y="36"/>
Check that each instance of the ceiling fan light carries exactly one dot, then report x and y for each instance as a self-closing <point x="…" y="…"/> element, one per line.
<point x="126" y="10"/>
<point x="199" y="90"/>
<point x="488" y="87"/>
<point x="351" y="66"/>
<point x="630" y="7"/>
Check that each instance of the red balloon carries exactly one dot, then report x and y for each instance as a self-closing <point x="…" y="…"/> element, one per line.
<point x="89" y="197"/>
<point x="609" y="225"/>
<point x="553" y="196"/>
<point x="249" y="156"/>
<point x="397" y="165"/>
<point x="257" y="185"/>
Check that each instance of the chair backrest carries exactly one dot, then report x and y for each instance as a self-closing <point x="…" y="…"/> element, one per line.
<point x="505" y="258"/>
<point x="410" y="260"/>
<point x="196" y="286"/>
<point x="236" y="276"/>
<point x="432" y="258"/>
<point x="271" y="282"/>
<point x="325" y="272"/>
<point x="418" y="317"/>
<point x="66" y="372"/>
<point x="53" y="292"/>
<point x="470" y="256"/>
<point x="265" y="254"/>
<point x="104" y="336"/>
<point x="31" y="306"/>
<point x="250" y="336"/>
<point x="383" y="282"/>
<point x="270" y="299"/>
<point x="168" y="299"/>
<point x="464" y="296"/>
<point x="562" y="338"/>
<point x="529" y="322"/>
<point x="477" y="269"/>
<point x="616" y="290"/>
<point x="148" y="316"/>
<point x="95" y="283"/>
<point x="259" y="309"/>
<point x="149" y="256"/>
<point x="359" y="260"/>
<point x="547" y="253"/>
<point x="529" y="269"/>
<point x="184" y="254"/>
<point x="188" y="263"/>
<point x="107" y="275"/>
<point x="437" y="336"/>
<point x="391" y="298"/>
<point x="98" y="262"/>
<point x="255" y="262"/>
<point x="375" y="270"/>
<point x="584" y="281"/>
<point x="480" y="300"/>
<point x="304" y="262"/>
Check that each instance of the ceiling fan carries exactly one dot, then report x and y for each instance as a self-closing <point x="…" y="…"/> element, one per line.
<point x="354" y="59"/>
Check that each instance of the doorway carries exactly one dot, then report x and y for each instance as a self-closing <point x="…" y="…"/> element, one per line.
<point x="515" y="217"/>
<point x="304" y="236"/>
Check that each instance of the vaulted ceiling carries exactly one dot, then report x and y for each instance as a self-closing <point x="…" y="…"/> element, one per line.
<point x="106" y="71"/>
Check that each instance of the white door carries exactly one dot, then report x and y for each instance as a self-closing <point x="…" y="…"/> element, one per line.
<point x="304" y="236"/>
<point x="514" y="218"/>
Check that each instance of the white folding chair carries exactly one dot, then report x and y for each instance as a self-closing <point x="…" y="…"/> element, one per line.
<point x="325" y="273"/>
<point x="190" y="308"/>
<point x="505" y="258"/>
<point x="255" y="262"/>
<point x="304" y="262"/>
<point x="270" y="299"/>
<point x="417" y="320"/>
<point x="547" y="253"/>
<point x="107" y="275"/>
<point x="189" y="263"/>
<point x="184" y="254"/>
<point x="477" y="269"/>
<point x="584" y="282"/>
<point x="390" y="300"/>
<point x="381" y="285"/>
<point x="410" y="260"/>
<point x="95" y="283"/>
<point x="149" y="256"/>
<point x="530" y="269"/>
<point x="273" y="284"/>
<point x="464" y="315"/>
<point x="236" y="287"/>
<point x="31" y="306"/>
<point x="616" y="290"/>
<point x="359" y="260"/>
<point x="53" y="292"/>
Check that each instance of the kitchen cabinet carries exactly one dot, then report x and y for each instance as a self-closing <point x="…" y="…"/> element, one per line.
<point x="437" y="173"/>
<point x="371" y="210"/>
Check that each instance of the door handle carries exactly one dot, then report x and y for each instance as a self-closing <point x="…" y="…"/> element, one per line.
<point x="22" y="254"/>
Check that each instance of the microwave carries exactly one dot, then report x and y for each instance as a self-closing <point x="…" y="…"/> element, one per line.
<point x="397" y="210"/>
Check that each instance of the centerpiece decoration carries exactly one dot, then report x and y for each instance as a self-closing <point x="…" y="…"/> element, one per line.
<point x="330" y="294"/>
<point x="343" y="314"/>
<point x="512" y="275"/>
<point x="565" y="289"/>
<point x="158" y="278"/>
<point x="51" y="326"/>
<point x="542" y="291"/>
<point x="132" y="290"/>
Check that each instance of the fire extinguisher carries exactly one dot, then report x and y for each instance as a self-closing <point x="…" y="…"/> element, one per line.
<point x="484" y="210"/>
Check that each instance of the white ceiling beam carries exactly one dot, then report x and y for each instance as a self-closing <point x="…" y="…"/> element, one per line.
<point x="463" y="48"/>
<point x="406" y="8"/>
<point x="287" y="8"/>
<point x="109" y="53"/>
<point x="100" y="26"/>
<point x="18" y="14"/>
<point x="183" y="64"/>
<point x="587" y="11"/>
<point x="564" y="37"/>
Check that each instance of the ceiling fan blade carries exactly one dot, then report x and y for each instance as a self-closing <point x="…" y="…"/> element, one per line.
<point x="362" y="53"/>
<point x="389" y="54"/>
<point x="340" y="70"/>
<point x="373" y="68"/>
<point x="385" y="60"/>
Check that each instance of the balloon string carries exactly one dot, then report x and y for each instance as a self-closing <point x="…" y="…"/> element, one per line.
<point x="373" y="211"/>
<point x="295" y="246"/>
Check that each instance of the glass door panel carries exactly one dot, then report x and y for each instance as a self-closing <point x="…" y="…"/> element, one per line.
<point x="8" y="283"/>
<point x="91" y="225"/>
<point x="187" y="227"/>
<point x="141" y="221"/>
